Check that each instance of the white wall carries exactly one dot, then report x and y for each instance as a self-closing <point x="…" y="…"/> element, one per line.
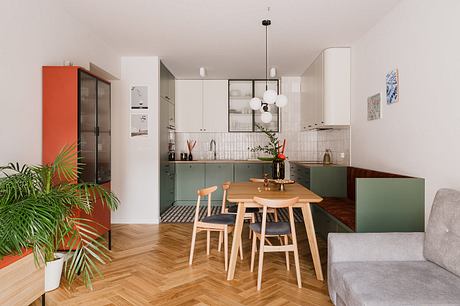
<point x="34" y="34"/>
<point x="420" y="135"/>
<point x="135" y="161"/>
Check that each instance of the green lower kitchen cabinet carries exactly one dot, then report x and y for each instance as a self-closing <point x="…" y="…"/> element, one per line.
<point x="216" y="175"/>
<point x="325" y="181"/>
<point x="189" y="178"/>
<point x="167" y="185"/>
<point x="243" y="172"/>
<point x="329" y="181"/>
<point x="268" y="169"/>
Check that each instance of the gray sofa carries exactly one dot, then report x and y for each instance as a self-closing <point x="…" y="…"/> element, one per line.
<point x="400" y="268"/>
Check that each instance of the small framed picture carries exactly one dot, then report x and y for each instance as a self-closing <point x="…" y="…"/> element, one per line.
<point x="374" y="107"/>
<point x="139" y="125"/>
<point x="139" y="97"/>
<point x="392" y="86"/>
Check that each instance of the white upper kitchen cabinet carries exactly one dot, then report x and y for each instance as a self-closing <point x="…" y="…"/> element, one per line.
<point x="189" y="105"/>
<point x="201" y="105"/>
<point x="215" y="105"/>
<point x="325" y="90"/>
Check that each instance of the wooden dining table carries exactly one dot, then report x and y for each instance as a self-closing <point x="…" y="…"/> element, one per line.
<point x="243" y="194"/>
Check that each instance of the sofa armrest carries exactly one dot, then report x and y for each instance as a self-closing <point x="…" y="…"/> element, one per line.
<point x="375" y="247"/>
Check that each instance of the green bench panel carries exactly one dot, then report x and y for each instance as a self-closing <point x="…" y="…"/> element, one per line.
<point x="390" y="205"/>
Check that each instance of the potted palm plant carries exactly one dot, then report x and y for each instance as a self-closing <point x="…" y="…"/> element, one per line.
<point x="38" y="207"/>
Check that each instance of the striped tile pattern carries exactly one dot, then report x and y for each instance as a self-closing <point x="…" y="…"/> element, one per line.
<point x="186" y="213"/>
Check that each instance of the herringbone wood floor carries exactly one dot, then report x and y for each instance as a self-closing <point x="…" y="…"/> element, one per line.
<point x="150" y="267"/>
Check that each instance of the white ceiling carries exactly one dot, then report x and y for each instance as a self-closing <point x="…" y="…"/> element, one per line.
<point x="226" y="36"/>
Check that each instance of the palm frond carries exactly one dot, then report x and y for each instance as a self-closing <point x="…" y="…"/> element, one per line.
<point x="88" y="248"/>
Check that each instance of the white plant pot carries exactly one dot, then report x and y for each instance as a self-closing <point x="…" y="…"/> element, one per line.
<point x="53" y="271"/>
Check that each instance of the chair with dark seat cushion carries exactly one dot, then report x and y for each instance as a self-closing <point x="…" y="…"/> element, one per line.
<point x="220" y="219"/>
<point x="222" y="223"/>
<point x="249" y="215"/>
<point x="264" y="229"/>
<point x="273" y="228"/>
<point x="233" y="209"/>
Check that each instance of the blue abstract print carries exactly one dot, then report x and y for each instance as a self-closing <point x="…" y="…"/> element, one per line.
<point x="392" y="82"/>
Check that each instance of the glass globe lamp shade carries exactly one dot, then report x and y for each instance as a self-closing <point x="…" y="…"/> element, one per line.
<point x="266" y="117"/>
<point x="270" y="96"/>
<point x="281" y="101"/>
<point x="255" y="103"/>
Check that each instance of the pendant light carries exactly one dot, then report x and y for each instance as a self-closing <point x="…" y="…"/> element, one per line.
<point x="270" y="96"/>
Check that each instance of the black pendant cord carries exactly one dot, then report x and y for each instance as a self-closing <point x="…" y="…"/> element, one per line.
<point x="266" y="57"/>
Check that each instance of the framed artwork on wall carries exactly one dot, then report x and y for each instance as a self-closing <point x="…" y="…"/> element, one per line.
<point x="392" y="86"/>
<point x="139" y="97"/>
<point x="139" y="125"/>
<point x="374" y="107"/>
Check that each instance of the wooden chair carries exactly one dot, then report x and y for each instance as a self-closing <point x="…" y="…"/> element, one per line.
<point x="275" y="229"/>
<point x="273" y="211"/>
<point x="250" y="213"/>
<point x="222" y="223"/>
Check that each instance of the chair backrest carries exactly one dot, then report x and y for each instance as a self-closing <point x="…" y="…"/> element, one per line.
<point x="202" y="193"/>
<point x="225" y="187"/>
<point x="442" y="239"/>
<point x="278" y="203"/>
<point x="256" y="180"/>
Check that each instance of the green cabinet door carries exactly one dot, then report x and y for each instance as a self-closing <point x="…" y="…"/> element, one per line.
<point x="243" y="172"/>
<point x="268" y="169"/>
<point x="164" y="187"/>
<point x="216" y="175"/>
<point x="329" y="181"/>
<point x="189" y="178"/>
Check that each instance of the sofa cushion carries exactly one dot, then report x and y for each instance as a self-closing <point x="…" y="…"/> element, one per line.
<point x="394" y="283"/>
<point x="442" y="239"/>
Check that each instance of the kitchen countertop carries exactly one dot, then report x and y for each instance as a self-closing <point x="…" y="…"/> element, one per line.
<point x="314" y="164"/>
<point x="221" y="161"/>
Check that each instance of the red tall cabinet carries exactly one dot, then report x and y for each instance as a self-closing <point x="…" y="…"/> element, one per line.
<point x="76" y="110"/>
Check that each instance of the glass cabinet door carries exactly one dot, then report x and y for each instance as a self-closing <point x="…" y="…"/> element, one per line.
<point x="259" y="89"/>
<point x="241" y="118"/>
<point x="240" y="114"/>
<point x="87" y="126"/>
<point x="103" y="139"/>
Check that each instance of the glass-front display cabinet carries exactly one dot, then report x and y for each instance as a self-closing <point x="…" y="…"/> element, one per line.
<point x="94" y="128"/>
<point x="241" y="118"/>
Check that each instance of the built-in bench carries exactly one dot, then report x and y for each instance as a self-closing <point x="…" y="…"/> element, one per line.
<point x="363" y="200"/>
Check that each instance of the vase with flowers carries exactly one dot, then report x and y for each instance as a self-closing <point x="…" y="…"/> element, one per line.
<point x="275" y="150"/>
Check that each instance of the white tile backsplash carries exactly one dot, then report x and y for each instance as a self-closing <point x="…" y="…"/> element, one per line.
<point x="308" y="145"/>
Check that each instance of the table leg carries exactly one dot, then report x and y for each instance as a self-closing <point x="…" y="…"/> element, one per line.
<point x="310" y="228"/>
<point x="236" y="240"/>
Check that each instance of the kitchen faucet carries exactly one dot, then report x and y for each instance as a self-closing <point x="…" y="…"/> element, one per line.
<point x="213" y="147"/>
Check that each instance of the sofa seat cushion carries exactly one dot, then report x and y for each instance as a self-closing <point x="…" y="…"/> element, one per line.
<point x="342" y="209"/>
<point x="394" y="283"/>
